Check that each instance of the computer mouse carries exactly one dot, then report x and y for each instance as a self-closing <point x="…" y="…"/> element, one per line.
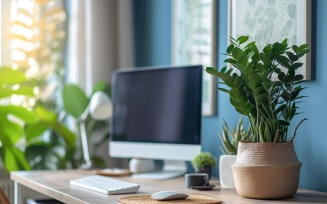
<point x="169" y="195"/>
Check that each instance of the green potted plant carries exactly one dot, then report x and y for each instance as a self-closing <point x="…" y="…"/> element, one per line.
<point x="265" y="87"/>
<point x="230" y="139"/>
<point x="22" y="146"/>
<point x="203" y="163"/>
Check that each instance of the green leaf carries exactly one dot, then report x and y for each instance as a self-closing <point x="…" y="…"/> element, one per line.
<point x="24" y="90"/>
<point x="266" y="85"/>
<point x="243" y="61"/>
<point x="223" y="90"/>
<point x="242" y="39"/>
<point x="98" y="161"/>
<point x="230" y="60"/>
<point x="295" y="48"/>
<point x="99" y="86"/>
<point x="292" y="56"/>
<point x="263" y="56"/>
<point x="298" y="77"/>
<point x="230" y="48"/>
<point x="228" y="80"/>
<point x="35" y="130"/>
<point x="303" y="52"/>
<point x="281" y="76"/>
<point x="65" y="133"/>
<point x="286" y="96"/>
<point x="20" y="112"/>
<point x="74" y="99"/>
<point x="296" y="92"/>
<point x="283" y="122"/>
<point x="10" y="161"/>
<point x="237" y="53"/>
<point x="304" y="46"/>
<point x="50" y="118"/>
<point x="291" y="72"/>
<point x="229" y="71"/>
<point x="10" y="129"/>
<point x="239" y="101"/>
<point x="10" y="76"/>
<point x="268" y="135"/>
<point x="45" y="115"/>
<point x="267" y="50"/>
<point x="278" y="47"/>
<point x="287" y="79"/>
<point x="281" y="108"/>
<point x="283" y="61"/>
<point x="297" y="65"/>
<point x="251" y="54"/>
<point x="15" y="160"/>
<point x="284" y="43"/>
<point x="44" y="156"/>
<point x="223" y="69"/>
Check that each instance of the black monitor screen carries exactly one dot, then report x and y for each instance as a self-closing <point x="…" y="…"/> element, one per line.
<point x="157" y="105"/>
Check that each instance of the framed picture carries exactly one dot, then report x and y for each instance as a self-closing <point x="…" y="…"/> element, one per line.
<point x="270" y="21"/>
<point x="194" y="42"/>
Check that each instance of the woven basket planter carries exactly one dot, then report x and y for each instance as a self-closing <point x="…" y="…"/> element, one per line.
<point x="266" y="170"/>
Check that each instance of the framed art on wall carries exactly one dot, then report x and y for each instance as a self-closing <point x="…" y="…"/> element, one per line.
<point x="194" y="42"/>
<point x="270" y="21"/>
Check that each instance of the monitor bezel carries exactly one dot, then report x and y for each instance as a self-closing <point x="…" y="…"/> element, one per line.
<point x="150" y="150"/>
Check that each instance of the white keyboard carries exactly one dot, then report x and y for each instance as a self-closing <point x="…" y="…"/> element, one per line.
<point x="105" y="185"/>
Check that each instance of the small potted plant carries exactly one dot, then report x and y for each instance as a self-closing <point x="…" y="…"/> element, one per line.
<point x="203" y="163"/>
<point x="230" y="139"/>
<point x="265" y="86"/>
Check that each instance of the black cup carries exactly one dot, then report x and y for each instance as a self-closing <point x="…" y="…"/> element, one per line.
<point x="196" y="179"/>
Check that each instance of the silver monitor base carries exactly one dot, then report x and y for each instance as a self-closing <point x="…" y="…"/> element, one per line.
<point x="171" y="169"/>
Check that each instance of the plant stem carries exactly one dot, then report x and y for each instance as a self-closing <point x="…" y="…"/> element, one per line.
<point x="297" y="128"/>
<point x="276" y="136"/>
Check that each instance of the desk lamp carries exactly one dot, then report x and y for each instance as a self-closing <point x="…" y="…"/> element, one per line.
<point x="100" y="109"/>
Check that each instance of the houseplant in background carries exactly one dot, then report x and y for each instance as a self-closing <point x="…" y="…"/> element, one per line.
<point x="203" y="163"/>
<point x="230" y="139"/>
<point x="266" y="88"/>
<point x="23" y="144"/>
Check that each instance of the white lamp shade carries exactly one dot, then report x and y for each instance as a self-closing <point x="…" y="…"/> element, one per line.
<point x="100" y="106"/>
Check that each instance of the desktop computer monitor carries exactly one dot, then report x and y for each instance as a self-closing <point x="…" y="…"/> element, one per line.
<point x="157" y="114"/>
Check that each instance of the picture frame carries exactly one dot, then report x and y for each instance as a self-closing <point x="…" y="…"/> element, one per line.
<point x="194" y="41"/>
<point x="270" y="21"/>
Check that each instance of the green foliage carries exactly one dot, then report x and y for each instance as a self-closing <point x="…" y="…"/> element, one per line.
<point x="230" y="138"/>
<point x="203" y="159"/>
<point x="22" y="145"/>
<point x="266" y="87"/>
<point x="71" y="94"/>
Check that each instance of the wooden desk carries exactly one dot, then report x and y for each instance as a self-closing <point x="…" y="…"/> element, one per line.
<point x="55" y="184"/>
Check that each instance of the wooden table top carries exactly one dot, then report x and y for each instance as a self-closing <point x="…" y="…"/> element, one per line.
<point x="55" y="184"/>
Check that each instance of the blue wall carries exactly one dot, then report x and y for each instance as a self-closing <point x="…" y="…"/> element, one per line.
<point x="153" y="47"/>
<point x="152" y="20"/>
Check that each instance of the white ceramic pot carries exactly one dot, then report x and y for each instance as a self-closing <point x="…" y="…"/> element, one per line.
<point x="266" y="170"/>
<point x="225" y="171"/>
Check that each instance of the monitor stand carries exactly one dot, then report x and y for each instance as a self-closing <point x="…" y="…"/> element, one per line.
<point x="170" y="169"/>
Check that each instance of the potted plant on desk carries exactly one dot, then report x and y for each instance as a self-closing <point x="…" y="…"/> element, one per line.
<point x="266" y="88"/>
<point x="203" y="163"/>
<point x="230" y="139"/>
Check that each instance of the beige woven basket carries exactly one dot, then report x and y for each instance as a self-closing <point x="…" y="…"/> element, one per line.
<point x="266" y="170"/>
